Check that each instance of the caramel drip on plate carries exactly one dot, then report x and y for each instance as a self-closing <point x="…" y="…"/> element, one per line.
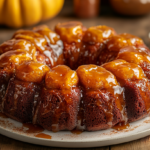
<point x="121" y="126"/>
<point x="32" y="128"/>
<point x="75" y="131"/>
<point x="43" y="135"/>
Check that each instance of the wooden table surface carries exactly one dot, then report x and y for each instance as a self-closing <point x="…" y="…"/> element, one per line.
<point x="139" y="26"/>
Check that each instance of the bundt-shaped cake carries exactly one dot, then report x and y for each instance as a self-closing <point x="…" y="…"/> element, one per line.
<point x="74" y="77"/>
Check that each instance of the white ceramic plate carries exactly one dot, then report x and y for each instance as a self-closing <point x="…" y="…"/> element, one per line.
<point x="138" y="129"/>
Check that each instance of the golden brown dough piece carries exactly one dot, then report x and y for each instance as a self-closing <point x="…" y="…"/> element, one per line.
<point x="94" y="41"/>
<point x="103" y="105"/>
<point x="59" y="100"/>
<point x="71" y="34"/>
<point x="139" y="56"/>
<point x="117" y="42"/>
<point x="49" y="47"/>
<point x="136" y="87"/>
<point x="23" y="91"/>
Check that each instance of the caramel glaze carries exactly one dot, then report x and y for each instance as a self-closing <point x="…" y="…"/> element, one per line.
<point x="30" y="53"/>
<point x="43" y="135"/>
<point x="61" y="77"/>
<point x="117" y="42"/>
<point x="75" y="131"/>
<point x="57" y="107"/>
<point x="47" y="43"/>
<point x="24" y="86"/>
<point x="94" y="41"/>
<point x="32" y="128"/>
<point x="72" y="41"/>
<point x="60" y="98"/>
<point x="31" y="71"/>
<point x="135" y="55"/>
<point x="54" y="49"/>
<point x="15" y="44"/>
<point x="125" y="71"/>
<point x="94" y="78"/>
<point x="15" y="57"/>
<point x="121" y="126"/>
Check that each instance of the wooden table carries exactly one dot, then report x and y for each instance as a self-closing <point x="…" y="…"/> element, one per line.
<point x="139" y="26"/>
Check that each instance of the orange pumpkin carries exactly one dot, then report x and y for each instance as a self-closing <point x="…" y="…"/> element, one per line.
<point x="18" y="13"/>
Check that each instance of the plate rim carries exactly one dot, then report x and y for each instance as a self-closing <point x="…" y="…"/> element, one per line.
<point x="73" y="143"/>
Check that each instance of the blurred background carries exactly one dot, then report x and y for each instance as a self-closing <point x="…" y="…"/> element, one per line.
<point x="130" y="16"/>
